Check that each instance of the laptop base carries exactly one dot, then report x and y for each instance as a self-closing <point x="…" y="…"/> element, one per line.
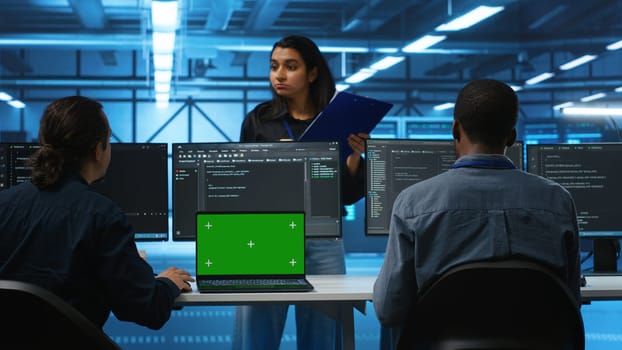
<point x="254" y="286"/>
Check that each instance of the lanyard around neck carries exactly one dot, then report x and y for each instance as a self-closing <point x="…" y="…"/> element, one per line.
<point x="289" y="129"/>
<point x="493" y="164"/>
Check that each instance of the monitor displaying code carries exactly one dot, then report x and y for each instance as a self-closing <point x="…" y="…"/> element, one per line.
<point x="262" y="176"/>
<point x="394" y="164"/>
<point x="592" y="173"/>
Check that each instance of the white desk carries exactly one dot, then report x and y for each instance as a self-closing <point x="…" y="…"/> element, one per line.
<point x="602" y="287"/>
<point x="338" y="295"/>
<point x="335" y="295"/>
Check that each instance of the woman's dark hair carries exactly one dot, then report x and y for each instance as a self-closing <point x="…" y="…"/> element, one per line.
<point x="69" y="131"/>
<point x="322" y="88"/>
<point x="487" y="109"/>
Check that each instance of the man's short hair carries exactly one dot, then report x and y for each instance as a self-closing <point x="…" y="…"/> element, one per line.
<point x="487" y="110"/>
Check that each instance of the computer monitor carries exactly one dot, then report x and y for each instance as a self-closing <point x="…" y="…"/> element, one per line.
<point x="591" y="172"/>
<point x="262" y="176"/>
<point x="137" y="180"/>
<point x="14" y="162"/>
<point x="394" y="164"/>
<point x="4" y="166"/>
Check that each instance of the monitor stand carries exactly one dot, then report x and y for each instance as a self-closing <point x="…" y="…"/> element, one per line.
<point x="606" y="255"/>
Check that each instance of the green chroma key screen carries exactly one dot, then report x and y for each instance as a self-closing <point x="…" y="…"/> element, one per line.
<point x="250" y="243"/>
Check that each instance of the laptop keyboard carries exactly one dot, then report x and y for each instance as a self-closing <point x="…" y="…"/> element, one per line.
<point x="253" y="283"/>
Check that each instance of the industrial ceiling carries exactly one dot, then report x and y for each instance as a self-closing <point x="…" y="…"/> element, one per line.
<point x="218" y="38"/>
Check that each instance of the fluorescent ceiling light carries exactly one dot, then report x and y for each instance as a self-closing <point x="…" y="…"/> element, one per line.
<point x="602" y="111"/>
<point x="516" y="87"/>
<point x="163" y="61"/>
<point x="387" y="50"/>
<point x="359" y="76"/>
<point x="162" y="87"/>
<point x="16" y="103"/>
<point x="327" y="49"/>
<point x="162" y="99"/>
<point x="423" y="43"/>
<point x="614" y="46"/>
<point x="353" y="23"/>
<point x="340" y="49"/>
<point x="444" y="106"/>
<point x="163" y="43"/>
<point x="539" y="78"/>
<point x="247" y="48"/>
<point x="563" y="105"/>
<point x="386" y="62"/>
<point x="577" y="62"/>
<point x="162" y="96"/>
<point x="341" y="87"/>
<point x="618" y="89"/>
<point x="164" y="15"/>
<point x="470" y="18"/>
<point x="162" y="76"/>
<point x="5" y="97"/>
<point x="593" y="97"/>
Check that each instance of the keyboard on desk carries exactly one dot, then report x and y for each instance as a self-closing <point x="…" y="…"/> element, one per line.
<point x="253" y="285"/>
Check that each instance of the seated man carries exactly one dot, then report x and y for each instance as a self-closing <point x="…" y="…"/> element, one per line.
<point x="482" y="208"/>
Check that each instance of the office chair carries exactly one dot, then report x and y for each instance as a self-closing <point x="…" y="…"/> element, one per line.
<point x="511" y="304"/>
<point x="33" y="317"/>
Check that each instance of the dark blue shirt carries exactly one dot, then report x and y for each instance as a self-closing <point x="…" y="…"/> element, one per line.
<point x="78" y="244"/>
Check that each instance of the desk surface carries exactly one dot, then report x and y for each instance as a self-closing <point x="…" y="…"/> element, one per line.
<point x="326" y="288"/>
<point x="605" y="287"/>
<point x="356" y="288"/>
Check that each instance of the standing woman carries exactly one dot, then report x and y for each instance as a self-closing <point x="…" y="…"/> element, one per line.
<point x="301" y="85"/>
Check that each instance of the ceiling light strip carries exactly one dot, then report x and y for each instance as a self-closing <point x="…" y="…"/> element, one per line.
<point x="539" y="78"/>
<point x="615" y="46"/>
<point x="164" y="21"/>
<point x="599" y="111"/>
<point x="577" y="62"/>
<point x="593" y="97"/>
<point x="426" y="41"/>
<point x="386" y="62"/>
<point x="444" y="106"/>
<point x="470" y="18"/>
<point x="361" y="75"/>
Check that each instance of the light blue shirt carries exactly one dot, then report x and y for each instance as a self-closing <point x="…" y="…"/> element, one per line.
<point x="479" y="211"/>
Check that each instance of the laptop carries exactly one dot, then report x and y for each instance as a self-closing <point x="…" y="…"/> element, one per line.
<point x="251" y="252"/>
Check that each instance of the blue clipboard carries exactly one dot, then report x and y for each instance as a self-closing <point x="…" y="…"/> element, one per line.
<point x="346" y="114"/>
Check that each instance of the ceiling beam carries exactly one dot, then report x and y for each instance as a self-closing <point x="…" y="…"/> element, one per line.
<point x="374" y="14"/>
<point x="264" y="14"/>
<point x="90" y="12"/>
<point x="220" y="14"/>
<point x="258" y="43"/>
<point x="240" y="58"/>
<point x="446" y="85"/>
<point x="13" y="61"/>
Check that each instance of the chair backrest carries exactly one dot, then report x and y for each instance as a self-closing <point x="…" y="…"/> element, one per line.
<point x="510" y="304"/>
<point x="33" y="317"/>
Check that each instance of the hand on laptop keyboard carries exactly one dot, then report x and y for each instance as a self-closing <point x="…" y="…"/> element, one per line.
<point x="180" y="277"/>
